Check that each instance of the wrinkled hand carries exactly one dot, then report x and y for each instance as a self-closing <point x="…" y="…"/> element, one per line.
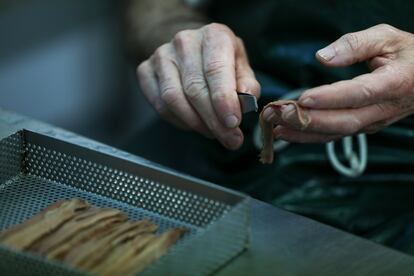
<point x="366" y="103"/>
<point x="192" y="82"/>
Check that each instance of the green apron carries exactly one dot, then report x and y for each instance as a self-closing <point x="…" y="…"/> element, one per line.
<point x="281" y="38"/>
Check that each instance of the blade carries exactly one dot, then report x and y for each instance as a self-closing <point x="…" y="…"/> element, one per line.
<point x="248" y="102"/>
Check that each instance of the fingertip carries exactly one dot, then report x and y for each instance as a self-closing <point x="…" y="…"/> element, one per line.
<point x="233" y="140"/>
<point x="227" y="108"/>
<point x="307" y="101"/>
<point x="327" y="54"/>
<point x="231" y="121"/>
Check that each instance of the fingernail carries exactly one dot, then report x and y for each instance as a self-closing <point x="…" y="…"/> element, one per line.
<point x="308" y="102"/>
<point x="233" y="142"/>
<point x="327" y="53"/>
<point x="231" y="121"/>
<point x="288" y="111"/>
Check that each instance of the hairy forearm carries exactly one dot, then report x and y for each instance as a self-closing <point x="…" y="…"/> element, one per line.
<point x="150" y="23"/>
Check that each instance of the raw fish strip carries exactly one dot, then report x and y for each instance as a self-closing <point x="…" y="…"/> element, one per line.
<point x="43" y="224"/>
<point x="266" y="155"/>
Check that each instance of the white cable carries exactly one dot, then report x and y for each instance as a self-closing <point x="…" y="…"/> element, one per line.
<point x="357" y="164"/>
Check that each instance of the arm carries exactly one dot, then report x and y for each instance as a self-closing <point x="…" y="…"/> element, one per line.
<point x="192" y="71"/>
<point x="151" y="23"/>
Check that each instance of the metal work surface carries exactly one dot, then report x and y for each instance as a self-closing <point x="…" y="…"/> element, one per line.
<point x="52" y="170"/>
<point x="281" y="243"/>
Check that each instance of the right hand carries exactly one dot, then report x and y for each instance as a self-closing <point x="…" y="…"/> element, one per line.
<point x="193" y="80"/>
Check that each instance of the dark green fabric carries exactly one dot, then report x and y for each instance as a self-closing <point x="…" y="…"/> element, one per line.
<point x="281" y="38"/>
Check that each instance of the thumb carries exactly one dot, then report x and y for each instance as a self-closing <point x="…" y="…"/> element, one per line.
<point x="246" y="80"/>
<point x="360" y="46"/>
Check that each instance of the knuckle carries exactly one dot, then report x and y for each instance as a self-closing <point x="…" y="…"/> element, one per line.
<point x="216" y="27"/>
<point x="394" y="76"/>
<point x="240" y="44"/>
<point x="387" y="28"/>
<point x="195" y="95"/>
<point x="142" y="69"/>
<point x="183" y="38"/>
<point x="367" y="92"/>
<point x="214" y="68"/>
<point x="169" y="95"/>
<point x="391" y="108"/>
<point x="352" y="40"/>
<point x="399" y="80"/>
<point x="219" y="96"/>
<point x="390" y="70"/>
<point x="384" y="26"/>
<point x="381" y="108"/>
<point x="253" y="86"/>
<point x="195" y="88"/>
<point x="249" y="85"/>
<point x="404" y="83"/>
<point x="239" y="41"/>
<point x="257" y="88"/>
<point x="160" y="54"/>
<point x="195" y="82"/>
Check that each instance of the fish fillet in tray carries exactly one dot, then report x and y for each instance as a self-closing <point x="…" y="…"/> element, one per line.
<point x="37" y="170"/>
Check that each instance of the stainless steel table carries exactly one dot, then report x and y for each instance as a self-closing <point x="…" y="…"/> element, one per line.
<point x="282" y="243"/>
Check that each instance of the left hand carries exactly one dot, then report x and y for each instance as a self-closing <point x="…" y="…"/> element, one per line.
<point x="366" y="103"/>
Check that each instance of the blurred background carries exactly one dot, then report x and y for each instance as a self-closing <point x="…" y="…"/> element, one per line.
<point x="63" y="62"/>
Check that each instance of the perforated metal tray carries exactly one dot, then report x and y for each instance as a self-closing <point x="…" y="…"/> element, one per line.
<point x="37" y="170"/>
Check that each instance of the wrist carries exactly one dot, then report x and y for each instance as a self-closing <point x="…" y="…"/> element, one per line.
<point x="165" y="32"/>
<point x="148" y="38"/>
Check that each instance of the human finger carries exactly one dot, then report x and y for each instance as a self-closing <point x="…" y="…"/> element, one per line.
<point x="220" y="72"/>
<point x="296" y="136"/>
<point x="171" y="91"/>
<point x="197" y="91"/>
<point x="245" y="77"/>
<point x="383" y="84"/>
<point x="149" y="87"/>
<point x="340" y="121"/>
<point x="360" y="46"/>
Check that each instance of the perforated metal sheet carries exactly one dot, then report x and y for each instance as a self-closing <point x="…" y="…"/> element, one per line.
<point x="36" y="171"/>
<point x="134" y="190"/>
<point x="25" y="195"/>
<point x="11" y="155"/>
